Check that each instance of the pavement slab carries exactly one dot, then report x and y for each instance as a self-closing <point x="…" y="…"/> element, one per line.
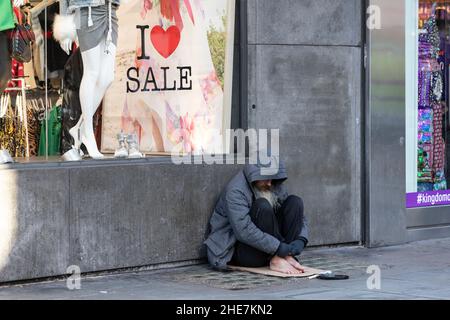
<point x="414" y="271"/>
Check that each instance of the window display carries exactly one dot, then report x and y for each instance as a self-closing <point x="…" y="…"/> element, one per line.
<point x="173" y="80"/>
<point x="95" y="79"/>
<point x="30" y="85"/>
<point x="432" y="106"/>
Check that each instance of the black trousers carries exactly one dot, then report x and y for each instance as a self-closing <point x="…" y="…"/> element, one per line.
<point x="285" y="225"/>
<point x="5" y="61"/>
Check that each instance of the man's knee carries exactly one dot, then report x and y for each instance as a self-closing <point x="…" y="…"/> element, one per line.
<point x="295" y="202"/>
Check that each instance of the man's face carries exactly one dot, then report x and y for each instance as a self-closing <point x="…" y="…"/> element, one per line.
<point x="263" y="185"/>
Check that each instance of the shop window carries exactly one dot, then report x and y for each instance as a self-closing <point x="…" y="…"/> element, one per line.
<point x="143" y="78"/>
<point x="428" y="94"/>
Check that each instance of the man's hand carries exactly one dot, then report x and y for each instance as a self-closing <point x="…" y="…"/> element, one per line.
<point x="284" y="250"/>
<point x="297" y="246"/>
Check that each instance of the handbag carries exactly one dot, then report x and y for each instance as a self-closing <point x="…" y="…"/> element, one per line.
<point x="22" y="38"/>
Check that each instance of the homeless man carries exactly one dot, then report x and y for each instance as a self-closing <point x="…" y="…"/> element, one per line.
<point x="256" y="223"/>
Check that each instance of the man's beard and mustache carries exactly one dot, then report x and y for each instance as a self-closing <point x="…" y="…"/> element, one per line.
<point x="267" y="194"/>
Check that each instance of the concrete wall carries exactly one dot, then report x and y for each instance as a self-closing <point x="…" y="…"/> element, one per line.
<point x="103" y="217"/>
<point x="304" y="62"/>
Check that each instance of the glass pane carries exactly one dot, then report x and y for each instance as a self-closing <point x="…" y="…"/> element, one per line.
<point x="142" y="77"/>
<point x="432" y="105"/>
<point x="30" y="126"/>
<point x="172" y="87"/>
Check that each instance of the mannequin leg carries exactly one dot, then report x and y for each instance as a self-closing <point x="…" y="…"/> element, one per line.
<point x="107" y="72"/>
<point x="98" y="97"/>
<point x="98" y="74"/>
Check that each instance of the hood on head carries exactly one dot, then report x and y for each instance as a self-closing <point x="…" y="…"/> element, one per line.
<point x="275" y="170"/>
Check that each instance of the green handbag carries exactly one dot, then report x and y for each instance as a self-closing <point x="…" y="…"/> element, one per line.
<point x="54" y="133"/>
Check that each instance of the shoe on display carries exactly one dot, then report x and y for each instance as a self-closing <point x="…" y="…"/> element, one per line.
<point x="72" y="155"/>
<point x="75" y="133"/>
<point x="122" y="151"/>
<point x="133" y="147"/>
<point x="5" y="157"/>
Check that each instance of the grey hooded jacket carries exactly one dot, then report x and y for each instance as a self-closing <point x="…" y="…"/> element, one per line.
<point x="67" y="6"/>
<point x="231" y="222"/>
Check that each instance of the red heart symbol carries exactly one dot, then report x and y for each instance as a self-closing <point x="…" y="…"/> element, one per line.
<point x="165" y="42"/>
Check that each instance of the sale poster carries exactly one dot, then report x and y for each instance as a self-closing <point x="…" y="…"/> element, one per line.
<point x="173" y="76"/>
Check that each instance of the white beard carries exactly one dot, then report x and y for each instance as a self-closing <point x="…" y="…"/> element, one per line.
<point x="268" y="195"/>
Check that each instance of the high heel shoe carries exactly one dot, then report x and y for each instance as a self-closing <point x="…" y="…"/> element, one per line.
<point x="74" y="154"/>
<point x="91" y="145"/>
<point x="75" y="132"/>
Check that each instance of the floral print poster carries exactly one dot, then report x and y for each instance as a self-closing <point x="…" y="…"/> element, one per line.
<point x="173" y="76"/>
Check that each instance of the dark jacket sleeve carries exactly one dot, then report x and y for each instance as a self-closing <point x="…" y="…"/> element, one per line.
<point x="243" y="227"/>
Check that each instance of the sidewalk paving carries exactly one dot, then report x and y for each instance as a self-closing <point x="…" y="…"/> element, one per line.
<point x="419" y="270"/>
